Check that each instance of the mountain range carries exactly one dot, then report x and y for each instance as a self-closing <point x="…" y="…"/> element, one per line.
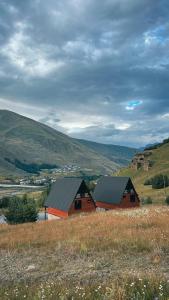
<point x="26" y="144"/>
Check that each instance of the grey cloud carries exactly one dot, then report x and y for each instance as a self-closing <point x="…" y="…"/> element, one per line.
<point x="88" y="56"/>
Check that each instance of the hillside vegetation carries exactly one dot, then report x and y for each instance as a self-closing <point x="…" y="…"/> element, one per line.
<point x="160" y="165"/>
<point x="79" y="258"/>
<point x="25" y="142"/>
<point x="119" y="154"/>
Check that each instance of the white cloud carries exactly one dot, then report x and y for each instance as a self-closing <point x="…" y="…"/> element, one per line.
<point x="86" y="49"/>
<point x="12" y="9"/>
<point x="31" y="111"/>
<point x="122" y="126"/>
<point x="29" y="58"/>
<point x="73" y="123"/>
<point x="165" y="116"/>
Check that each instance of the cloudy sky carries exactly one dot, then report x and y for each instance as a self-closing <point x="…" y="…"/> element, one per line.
<point x="93" y="69"/>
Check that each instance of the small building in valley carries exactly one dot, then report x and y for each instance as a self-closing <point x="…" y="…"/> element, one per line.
<point x="115" y="192"/>
<point x="69" y="196"/>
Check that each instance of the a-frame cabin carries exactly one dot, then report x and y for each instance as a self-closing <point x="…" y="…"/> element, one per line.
<point x="69" y="196"/>
<point x="115" y="192"/>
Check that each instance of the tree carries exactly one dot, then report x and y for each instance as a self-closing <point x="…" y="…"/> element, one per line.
<point x="91" y="186"/>
<point x="43" y="197"/>
<point x="4" y="202"/>
<point x="160" y="181"/>
<point x="148" y="181"/>
<point x="167" y="200"/>
<point x="147" y="200"/>
<point x="21" y="210"/>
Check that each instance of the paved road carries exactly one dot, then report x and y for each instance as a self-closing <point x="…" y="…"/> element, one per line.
<point x="21" y="186"/>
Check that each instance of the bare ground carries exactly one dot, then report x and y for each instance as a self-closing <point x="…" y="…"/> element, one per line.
<point x="38" y="265"/>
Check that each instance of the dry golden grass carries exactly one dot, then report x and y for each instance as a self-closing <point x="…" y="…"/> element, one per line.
<point x="140" y="229"/>
<point x="114" y="255"/>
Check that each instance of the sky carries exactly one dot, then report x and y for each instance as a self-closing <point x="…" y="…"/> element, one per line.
<point x="93" y="69"/>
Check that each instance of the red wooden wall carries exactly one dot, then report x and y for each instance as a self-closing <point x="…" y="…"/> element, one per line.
<point x="57" y="212"/>
<point x="87" y="205"/>
<point x="125" y="203"/>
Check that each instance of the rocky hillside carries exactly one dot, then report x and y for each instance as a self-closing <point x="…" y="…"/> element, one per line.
<point x="158" y="157"/>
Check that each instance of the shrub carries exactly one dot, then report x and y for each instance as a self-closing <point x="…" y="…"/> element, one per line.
<point x="167" y="200"/>
<point x="147" y="200"/>
<point x="148" y="181"/>
<point x="160" y="181"/>
<point x="4" y="202"/>
<point x="21" y="210"/>
<point x="43" y="197"/>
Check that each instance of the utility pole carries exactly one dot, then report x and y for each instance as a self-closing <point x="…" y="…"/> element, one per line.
<point x="45" y="213"/>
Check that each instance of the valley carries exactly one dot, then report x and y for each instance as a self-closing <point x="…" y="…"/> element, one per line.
<point x="28" y="147"/>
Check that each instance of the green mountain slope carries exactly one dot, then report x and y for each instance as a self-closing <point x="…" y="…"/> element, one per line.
<point x="119" y="154"/>
<point x="32" y="142"/>
<point x="160" y="165"/>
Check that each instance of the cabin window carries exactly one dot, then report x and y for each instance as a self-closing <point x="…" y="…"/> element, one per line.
<point x="78" y="204"/>
<point x="132" y="198"/>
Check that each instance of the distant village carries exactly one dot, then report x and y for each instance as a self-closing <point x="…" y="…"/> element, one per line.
<point x="44" y="178"/>
<point x="140" y="161"/>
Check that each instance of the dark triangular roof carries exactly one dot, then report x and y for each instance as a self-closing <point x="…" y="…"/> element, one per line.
<point x="110" y="189"/>
<point x="63" y="192"/>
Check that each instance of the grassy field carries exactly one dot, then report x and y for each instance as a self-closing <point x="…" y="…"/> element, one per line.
<point x="121" y="255"/>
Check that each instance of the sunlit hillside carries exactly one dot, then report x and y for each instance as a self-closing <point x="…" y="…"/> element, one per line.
<point x="160" y="165"/>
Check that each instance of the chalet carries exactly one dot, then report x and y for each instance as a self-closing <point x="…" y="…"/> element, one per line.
<point x="69" y="196"/>
<point x="115" y="192"/>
